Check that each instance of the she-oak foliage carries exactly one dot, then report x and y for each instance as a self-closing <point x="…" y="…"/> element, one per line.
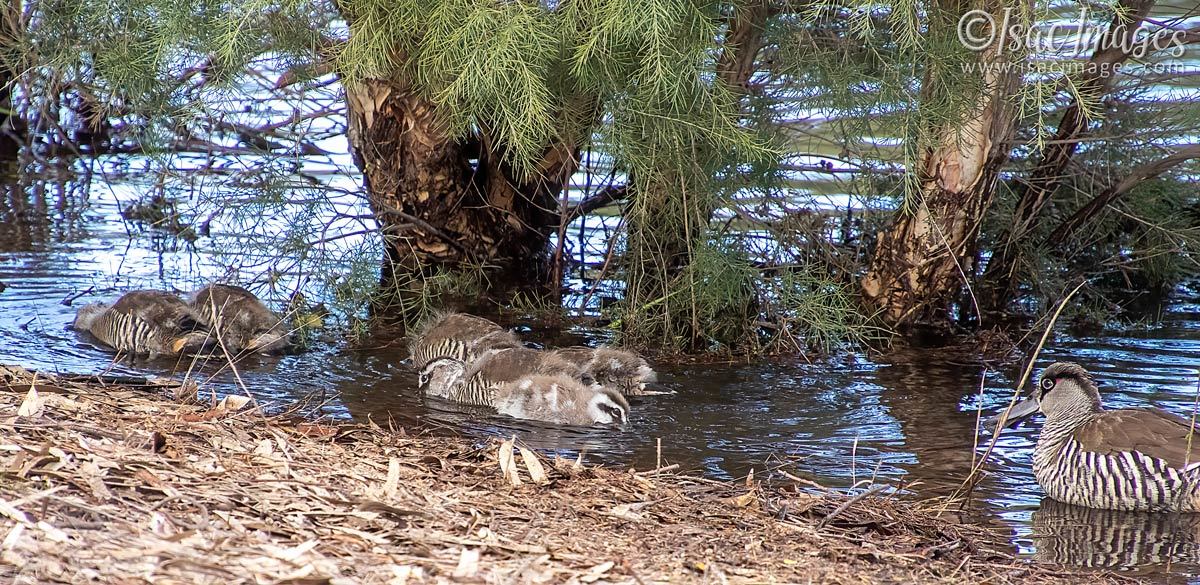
<point x="650" y="86"/>
<point x="636" y="80"/>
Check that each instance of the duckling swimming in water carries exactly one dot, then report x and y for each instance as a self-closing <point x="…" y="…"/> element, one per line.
<point x="561" y="400"/>
<point x="613" y="368"/>
<point x="475" y="382"/>
<point x="145" y="322"/>
<point x="553" y="398"/>
<point x="243" y="321"/>
<point x="459" y="336"/>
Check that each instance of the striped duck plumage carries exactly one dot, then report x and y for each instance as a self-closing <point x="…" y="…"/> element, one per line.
<point x="525" y="383"/>
<point x="614" y="368"/>
<point x="145" y="322"/>
<point x="1127" y="459"/>
<point x="458" y="336"/>
<point x="471" y="360"/>
<point x="243" y="322"/>
<point x="1112" y="539"/>
<point x="475" y="382"/>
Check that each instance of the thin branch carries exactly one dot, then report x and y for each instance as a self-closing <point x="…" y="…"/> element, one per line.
<point x="605" y="197"/>
<point x="1115" y="192"/>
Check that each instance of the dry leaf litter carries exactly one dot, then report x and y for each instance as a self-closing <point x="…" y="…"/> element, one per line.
<point x="124" y="483"/>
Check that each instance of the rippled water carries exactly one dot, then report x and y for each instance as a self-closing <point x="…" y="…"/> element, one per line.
<point x="906" y="419"/>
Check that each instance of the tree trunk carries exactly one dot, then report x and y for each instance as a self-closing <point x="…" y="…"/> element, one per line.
<point x="447" y="204"/>
<point x="1001" y="276"/>
<point x="11" y="126"/>
<point x="921" y="260"/>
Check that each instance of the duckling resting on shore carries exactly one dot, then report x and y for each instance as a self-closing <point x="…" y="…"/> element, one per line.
<point x="243" y="322"/>
<point x="145" y="322"/>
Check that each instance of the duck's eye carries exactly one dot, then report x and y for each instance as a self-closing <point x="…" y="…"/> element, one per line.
<point x="613" y="412"/>
<point x="1047" y="383"/>
<point x="422" y="380"/>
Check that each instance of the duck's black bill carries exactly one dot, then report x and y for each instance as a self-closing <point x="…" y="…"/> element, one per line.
<point x="1019" y="413"/>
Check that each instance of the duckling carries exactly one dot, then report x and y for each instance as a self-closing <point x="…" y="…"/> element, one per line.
<point x="499" y="366"/>
<point x="562" y="400"/>
<point x="614" y="368"/>
<point x="475" y="382"/>
<point x="441" y="376"/>
<point x="243" y="322"/>
<point x="460" y="336"/>
<point x="554" y="398"/>
<point x="144" y="322"/>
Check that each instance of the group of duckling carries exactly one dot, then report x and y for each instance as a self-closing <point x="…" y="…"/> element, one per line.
<point x="459" y="357"/>
<point x="1127" y="459"/>
<point x="218" y="318"/>
<point x="471" y="360"/>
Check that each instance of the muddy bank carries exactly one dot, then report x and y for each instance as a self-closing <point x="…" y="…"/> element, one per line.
<point x="114" y="483"/>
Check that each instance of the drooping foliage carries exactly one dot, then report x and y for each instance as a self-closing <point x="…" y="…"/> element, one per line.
<point x="709" y="121"/>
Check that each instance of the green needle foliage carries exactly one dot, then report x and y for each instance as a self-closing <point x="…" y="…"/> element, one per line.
<point x="652" y="88"/>
<point x="637" y="80"/>
<point x="526" y="71"/>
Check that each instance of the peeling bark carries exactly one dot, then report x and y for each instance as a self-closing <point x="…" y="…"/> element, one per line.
<point x="920" y="260"/>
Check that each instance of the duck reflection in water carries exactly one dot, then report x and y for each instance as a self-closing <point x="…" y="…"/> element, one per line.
<point x="1075" y="536"/>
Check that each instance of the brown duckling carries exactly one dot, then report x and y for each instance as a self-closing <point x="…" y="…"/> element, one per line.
<point x="243" y="322"/>
<point x="554" y="398"/>
<point x="614" y="368"/>
<point x="459" y="336"/>
<point x="475" y="382"/>
<point x="145" y="322"/>
<point x="561" y="400"/>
